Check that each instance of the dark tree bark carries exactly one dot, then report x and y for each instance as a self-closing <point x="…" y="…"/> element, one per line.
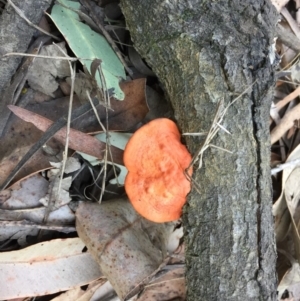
<point x="202" y="52"/>
<point x="16" y="34"/>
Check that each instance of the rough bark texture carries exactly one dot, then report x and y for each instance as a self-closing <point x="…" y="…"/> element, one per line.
<point x="16" y="34"/>
<point x="204" y="51"/>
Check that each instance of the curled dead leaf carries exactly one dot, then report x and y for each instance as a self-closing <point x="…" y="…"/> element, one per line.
<point x="127" y="247"/>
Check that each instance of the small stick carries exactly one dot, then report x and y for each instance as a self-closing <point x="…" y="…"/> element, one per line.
<point x="72" y="59"/>
<point x="32" y="225"/>
<point x="21" y="14"/>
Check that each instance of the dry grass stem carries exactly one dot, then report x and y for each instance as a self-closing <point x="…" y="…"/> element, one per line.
<point x="65" y="154"/>
<point x="223" y="128"/>
<point x="211" y="133"/>
<point x="194" y="134"/>
<point x="281" y="167"/>
<point x="54" y="197"/>
<point x="221" y="148"/>
<point x="95" y="182"/>
<point x="214" y="128"/>
<point x="71" y="59"/>
<point x="216" y="125"/>
<point x="95" y="110"/>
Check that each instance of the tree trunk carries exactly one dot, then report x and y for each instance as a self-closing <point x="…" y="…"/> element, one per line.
<point x="204" y="52"/>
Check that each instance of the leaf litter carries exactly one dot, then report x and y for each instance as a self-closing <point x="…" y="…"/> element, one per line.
<point x="40" y="203"/>
<point x="285" y="158"/>
<point x="24" y="204"/>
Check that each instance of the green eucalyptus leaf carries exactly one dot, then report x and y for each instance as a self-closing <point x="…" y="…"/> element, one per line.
<point x="89" y="45"/>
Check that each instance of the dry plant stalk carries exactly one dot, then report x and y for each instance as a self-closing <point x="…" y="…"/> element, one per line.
<point x="71" y="59"/>
<point x="55" y="195"/>
<point x="104" y="99"/>
<point x="105" y="95"/>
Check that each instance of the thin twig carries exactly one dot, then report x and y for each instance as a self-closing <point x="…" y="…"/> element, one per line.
<point x="72" y="59"/>
<point x="73" y="75"/>
<point x="104" y="130"/>
<point x="107" y="105"/>
<point x="95" y="111"/>
<point x="194" y="134"/>
<point x="21" y="14"/>
<point x="31" y="225"/>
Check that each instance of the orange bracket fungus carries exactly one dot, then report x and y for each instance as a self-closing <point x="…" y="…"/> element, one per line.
<point x="156" y="161"/>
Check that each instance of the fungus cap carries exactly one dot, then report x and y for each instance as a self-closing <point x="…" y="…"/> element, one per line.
<point x="156" y="160"/>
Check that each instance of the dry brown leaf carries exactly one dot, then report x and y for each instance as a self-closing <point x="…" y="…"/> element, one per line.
<point x="44" y="72"/>
<point x="292" y="196"/>
<point x="279" y="4"/>
<point x="70" y="295"/>
<point x="290" y="20"/>
<point x="77" y="140"/>
<point x="21" y="211"/>
<point x="16" y="143"/>
<point x="294" y="292"/>
<point x="25" y="194"/>
<point x="282" y="219"/>
<point x="127" y="247"/>
<point x="58" y="192"/>
<point x="103" y="292"/>
<point x="291" y="277"/>
<point x="286" y="53"/>
<point x="285" y="124"/>
<point x="123" y="115"/>
<point x="170" y="285"/>
<point x="22" y="135"/>
<point x="174" y="240"/>
<point x="280" y="104"/>
<point x="275" y="159"/>
<point x="79" y="294"/>
<point x="280" y="209"/>
<point x="18" y="224"/>
<point x="46" y="268"/>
